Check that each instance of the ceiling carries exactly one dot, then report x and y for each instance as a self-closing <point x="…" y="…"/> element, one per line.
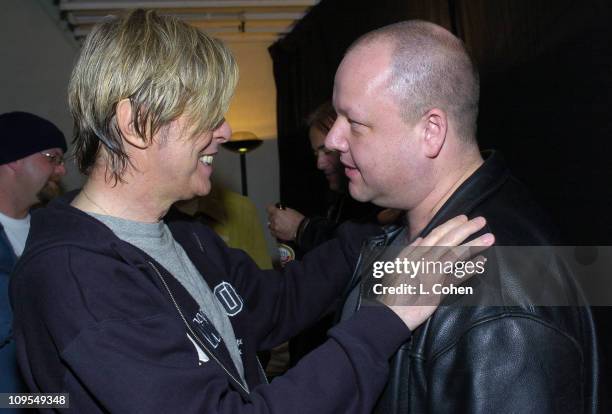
<point x="230" y="20"/>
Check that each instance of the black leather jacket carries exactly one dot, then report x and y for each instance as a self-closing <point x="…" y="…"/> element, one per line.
<point x="494" y="359"/>
<point x="314" y="231"/>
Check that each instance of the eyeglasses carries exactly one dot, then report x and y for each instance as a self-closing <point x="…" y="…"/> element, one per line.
<point x="56" y="159"/>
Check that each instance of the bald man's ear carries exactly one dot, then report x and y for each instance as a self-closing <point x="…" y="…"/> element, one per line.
<point x="125" y="122"/>
<point x="13" y="166"/>
<point x="435" y="128"/>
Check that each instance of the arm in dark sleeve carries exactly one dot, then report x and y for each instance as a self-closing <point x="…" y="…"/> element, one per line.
<point x="124" y="351"/>
<point x="10" y="378"/>
<point x="510" y="364"/>
<point x="281" y="304"/>
<point x="314" y="231"/>
<point x="344" y="375"/>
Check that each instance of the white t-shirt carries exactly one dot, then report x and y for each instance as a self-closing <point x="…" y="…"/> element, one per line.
<point x="17" y="231"/>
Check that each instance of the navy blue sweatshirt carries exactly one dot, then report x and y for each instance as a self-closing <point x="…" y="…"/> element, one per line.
<point x="99" y="319"/>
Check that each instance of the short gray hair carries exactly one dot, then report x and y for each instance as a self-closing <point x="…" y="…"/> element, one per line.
<point x="166" y="69"/>
<point x="430" y="69"/>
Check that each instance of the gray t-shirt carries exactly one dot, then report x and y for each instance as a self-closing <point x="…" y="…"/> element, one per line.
<point x="156" y="240"/>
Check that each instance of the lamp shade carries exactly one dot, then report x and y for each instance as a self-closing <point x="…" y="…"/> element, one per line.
<point x="242" y="142"/>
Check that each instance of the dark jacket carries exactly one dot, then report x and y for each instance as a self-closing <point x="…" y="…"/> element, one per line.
<point x="316" y="230"/>
<point x="496" y="359"/>
<point x="99" y="319"/>
<point x="10" y="378"/>
<point x="312" y="232"/>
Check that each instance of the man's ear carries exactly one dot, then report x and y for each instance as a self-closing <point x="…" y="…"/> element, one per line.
<point x="125" y="122"/>
<point x="13" y="166"/>
<point x="435" y="126"/>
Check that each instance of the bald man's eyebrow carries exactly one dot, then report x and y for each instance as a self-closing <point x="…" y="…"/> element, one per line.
<point x="355" y="115"/>
<point x="342" y="108"/>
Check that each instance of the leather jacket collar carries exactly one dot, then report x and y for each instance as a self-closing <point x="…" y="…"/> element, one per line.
<point x="487" y="179"/>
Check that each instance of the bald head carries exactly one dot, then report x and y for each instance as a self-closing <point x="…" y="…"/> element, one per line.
<point x="430" y="68"/>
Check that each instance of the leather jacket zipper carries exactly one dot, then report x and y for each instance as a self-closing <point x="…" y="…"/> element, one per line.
<point x="377" y="243"/>
<point x="195" y="336"/>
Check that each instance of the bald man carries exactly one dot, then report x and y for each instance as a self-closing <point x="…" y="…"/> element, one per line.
<point x="407" y="102"/>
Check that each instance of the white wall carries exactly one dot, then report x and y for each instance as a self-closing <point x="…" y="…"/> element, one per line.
<point x="36" y="57"/>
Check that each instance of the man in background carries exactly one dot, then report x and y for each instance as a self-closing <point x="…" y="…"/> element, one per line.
<point x="31" y="165"/>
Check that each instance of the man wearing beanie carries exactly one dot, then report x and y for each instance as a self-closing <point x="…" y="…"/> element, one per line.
<point x="31" y="164"/>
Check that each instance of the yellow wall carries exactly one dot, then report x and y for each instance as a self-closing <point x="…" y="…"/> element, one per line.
<point x="253" y="109"/>
<point x="254" y="105"/>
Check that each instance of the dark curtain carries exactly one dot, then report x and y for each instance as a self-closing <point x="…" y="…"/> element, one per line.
<point x="546" y="99"/>
<point x="546" y="96"/>
<point x="546" y="69"/>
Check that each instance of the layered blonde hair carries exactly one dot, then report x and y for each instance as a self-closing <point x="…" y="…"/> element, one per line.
<point x="165" y="68"/>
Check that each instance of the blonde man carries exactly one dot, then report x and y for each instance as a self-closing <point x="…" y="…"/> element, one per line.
<point x="129" y="309"/>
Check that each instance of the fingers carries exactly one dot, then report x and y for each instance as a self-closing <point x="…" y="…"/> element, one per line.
<point x="283" y="224"/>
<point x="455" y="231"/>
<point x="464" y="253"/>
<point x="413" y="316"/>
<point x="434" y="236"/>
<point x="274" y="214"/>
<point x="417" y="242"/>
<point x="471" y="270"/>
<point x="481" y="243"/>
<point x="272" y="210"/>
<point x="426" y="290"/>
<point x="459" y="234"/>
<point x="408" y="250"/>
